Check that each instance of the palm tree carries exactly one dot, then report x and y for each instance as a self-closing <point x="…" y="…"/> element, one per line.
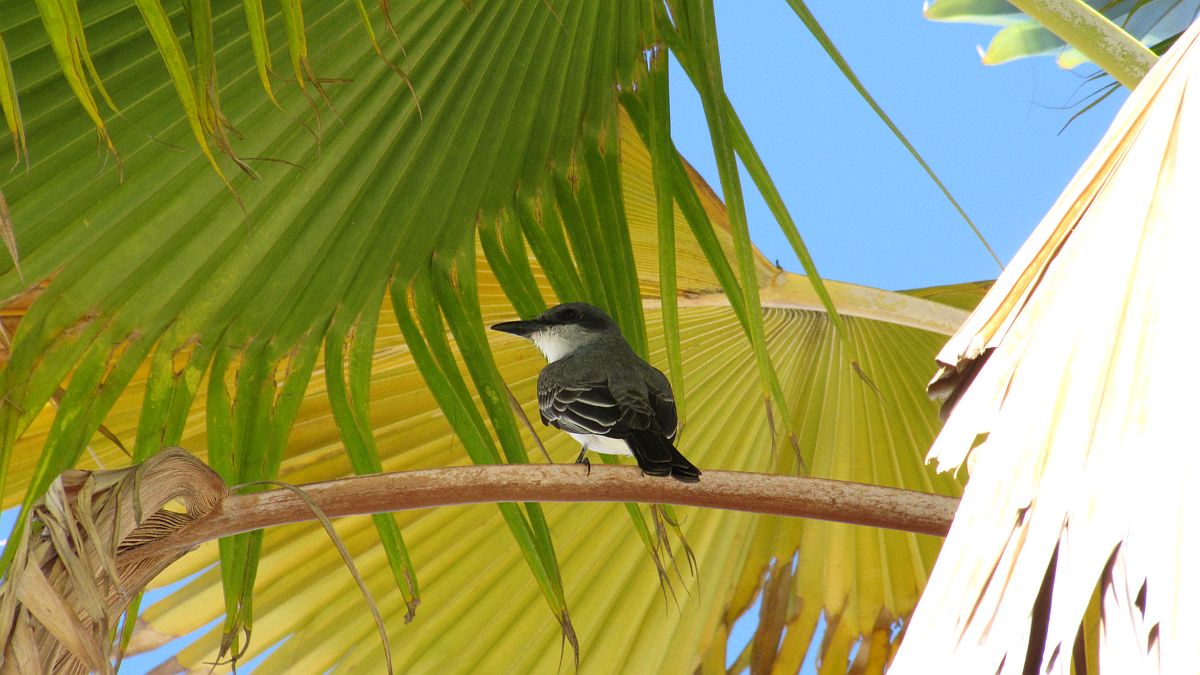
<point x="426" y="173"/>
<point x="1074" y="543"/>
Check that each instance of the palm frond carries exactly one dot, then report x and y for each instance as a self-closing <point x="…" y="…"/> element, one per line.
<point x="1040" y="32"/>
<point x="466" y="178"/>
<point x="1070" y="410"/>
<point x="498" y="617"/>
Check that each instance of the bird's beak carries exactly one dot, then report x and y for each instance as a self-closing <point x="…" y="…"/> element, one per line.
<point x="519" y="328"/>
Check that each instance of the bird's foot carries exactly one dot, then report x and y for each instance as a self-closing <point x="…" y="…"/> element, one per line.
<point x="582" y="459"/>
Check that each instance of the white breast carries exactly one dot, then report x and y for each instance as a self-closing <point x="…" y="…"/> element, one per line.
<point x="608" y="446"/>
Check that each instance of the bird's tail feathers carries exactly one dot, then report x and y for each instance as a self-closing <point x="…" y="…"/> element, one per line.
<point x="682" y="469"/>
<point x="658" y="457"/>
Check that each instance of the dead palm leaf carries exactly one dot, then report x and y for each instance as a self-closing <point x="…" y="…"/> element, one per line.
<point x="75" y="570"/>
<point x="1077" y="370"/>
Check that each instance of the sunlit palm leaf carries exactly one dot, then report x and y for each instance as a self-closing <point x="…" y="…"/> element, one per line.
<point x="1020" y="36"/>
<point x="480" y="609"/>
<point x="165" y="287"/>
<point x="963" y="296"/>
<point x="249" y="286"/>
<point x="1076" y="372"/>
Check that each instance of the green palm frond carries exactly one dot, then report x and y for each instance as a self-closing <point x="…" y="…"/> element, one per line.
<point x="246" y="289"/>
<point x="475" y="593"/>
<point x="315" y="307"/>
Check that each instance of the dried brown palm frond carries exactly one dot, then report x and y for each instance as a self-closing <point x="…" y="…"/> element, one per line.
<point x="73" y="576"/>
<point x="1079" y="377"/>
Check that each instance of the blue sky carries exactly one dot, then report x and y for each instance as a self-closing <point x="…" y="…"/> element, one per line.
<point x="868" y="212"/>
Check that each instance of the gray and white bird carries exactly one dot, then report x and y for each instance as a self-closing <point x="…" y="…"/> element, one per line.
<point x="600" y="392"/>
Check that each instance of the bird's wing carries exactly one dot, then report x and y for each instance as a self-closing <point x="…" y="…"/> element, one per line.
<point x="589" y="404"/>
<point x="663" y="400"/>
<point x="581" y="408"/>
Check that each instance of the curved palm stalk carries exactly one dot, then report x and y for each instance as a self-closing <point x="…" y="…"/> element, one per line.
<point x="1075" y="31"/>
<point x="1095" y="36"/>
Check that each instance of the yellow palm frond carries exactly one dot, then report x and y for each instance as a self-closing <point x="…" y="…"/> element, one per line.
<point x="479" y="606"/>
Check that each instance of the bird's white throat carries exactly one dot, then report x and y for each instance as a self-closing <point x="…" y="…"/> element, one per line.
<point x="554" y="343"/>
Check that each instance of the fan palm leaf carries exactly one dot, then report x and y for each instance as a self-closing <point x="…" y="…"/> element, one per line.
<point x="244" y="314"/>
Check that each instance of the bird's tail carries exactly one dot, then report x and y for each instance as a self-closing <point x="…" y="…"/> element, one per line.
<point x="682" y="469"/>
<point x="657" y="456"/>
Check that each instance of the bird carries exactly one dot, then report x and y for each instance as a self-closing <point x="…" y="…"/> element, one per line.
<point x="595" y="388"/>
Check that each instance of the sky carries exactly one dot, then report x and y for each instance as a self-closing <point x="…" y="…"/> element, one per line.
<point x="867" y="211"/>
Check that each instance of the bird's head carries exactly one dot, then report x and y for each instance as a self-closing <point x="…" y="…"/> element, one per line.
<point x="564" y="328"/>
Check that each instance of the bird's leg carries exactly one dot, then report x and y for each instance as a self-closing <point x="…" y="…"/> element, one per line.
<point x="582" y="459"/>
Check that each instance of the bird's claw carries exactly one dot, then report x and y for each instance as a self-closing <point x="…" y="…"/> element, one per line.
<point x="582" y="459"/>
